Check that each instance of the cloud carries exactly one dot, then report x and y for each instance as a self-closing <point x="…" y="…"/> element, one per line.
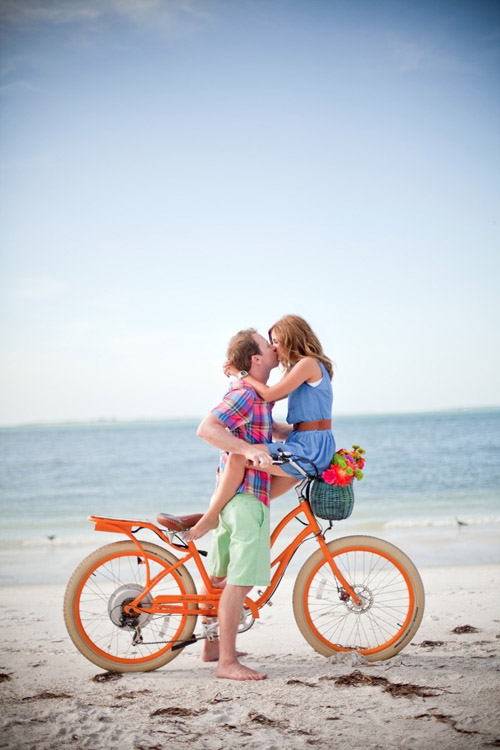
<point x="14" y="86"/>
<point x="428" y="54"/>
<point x="57" y="12"/>
<point x="412" y="55"/>
<point x="7" y="68"/>
<point x="60" y="12"/>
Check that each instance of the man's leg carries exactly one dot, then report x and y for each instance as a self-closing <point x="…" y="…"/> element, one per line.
<point x="211" y="648"/>
<point x="240" y="548"/>
<point x="230" y="607"/>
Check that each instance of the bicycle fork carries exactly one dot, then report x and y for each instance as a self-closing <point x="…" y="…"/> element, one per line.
<point x="348" y="591"/>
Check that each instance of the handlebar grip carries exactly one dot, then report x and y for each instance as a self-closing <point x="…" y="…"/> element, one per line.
<point x="284" y="457"/>
<point x="281" y="457"/>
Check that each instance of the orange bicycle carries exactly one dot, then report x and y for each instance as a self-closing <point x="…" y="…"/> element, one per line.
<point x="133" y="606"/>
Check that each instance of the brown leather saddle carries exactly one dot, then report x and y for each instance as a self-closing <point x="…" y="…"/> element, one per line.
<point x="178" y="523"/>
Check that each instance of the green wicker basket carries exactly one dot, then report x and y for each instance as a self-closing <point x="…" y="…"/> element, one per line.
<point x="330" y="501"/>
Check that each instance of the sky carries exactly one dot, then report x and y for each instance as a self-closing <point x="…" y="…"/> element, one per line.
<point x="172" y="171"/>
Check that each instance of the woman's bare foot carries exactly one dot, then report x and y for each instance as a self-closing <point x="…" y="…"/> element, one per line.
<point x="211" y="651"/>
<point x="205" y="524"/>
<point x="237" y="671"/>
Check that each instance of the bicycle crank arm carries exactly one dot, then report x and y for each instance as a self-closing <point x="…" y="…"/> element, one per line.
<point x="189" y="642"/>
<point x="177" y="646"/>
<point x="209" y="633"/>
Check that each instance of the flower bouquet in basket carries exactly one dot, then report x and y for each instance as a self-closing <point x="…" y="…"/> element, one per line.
<point x="332" y="495"/>
<point x="345" y="467"/>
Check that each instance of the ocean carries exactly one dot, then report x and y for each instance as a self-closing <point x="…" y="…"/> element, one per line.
<point x="431" y="485"/>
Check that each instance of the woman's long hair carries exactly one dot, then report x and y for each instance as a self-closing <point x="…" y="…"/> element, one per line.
<point x="298" y="340"/>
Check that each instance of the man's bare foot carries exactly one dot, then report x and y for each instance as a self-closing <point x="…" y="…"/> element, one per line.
<point x="211" y="651"/>
<point x="237" y="671"/>
<point x="205" y="524"/>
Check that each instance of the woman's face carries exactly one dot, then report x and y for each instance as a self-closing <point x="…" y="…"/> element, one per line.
<point x="275" y="342"/>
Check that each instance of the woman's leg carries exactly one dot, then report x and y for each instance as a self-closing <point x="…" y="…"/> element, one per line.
<point x="281" y="480"/>
<point x="231" y="478"/>
<point x="281" y="484"/>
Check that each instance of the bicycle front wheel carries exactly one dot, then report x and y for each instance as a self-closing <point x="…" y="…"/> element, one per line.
<point x="95" y="598"/>
<point x="387" y="584"/>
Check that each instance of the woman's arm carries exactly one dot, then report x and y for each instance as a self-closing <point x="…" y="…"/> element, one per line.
<point x="306" y="369"/>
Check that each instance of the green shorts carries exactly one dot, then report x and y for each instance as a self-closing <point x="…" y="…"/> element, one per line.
<point x="240" y="544"/>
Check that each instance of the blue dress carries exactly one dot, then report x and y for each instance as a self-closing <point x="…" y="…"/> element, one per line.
<point x="309" y="403"/>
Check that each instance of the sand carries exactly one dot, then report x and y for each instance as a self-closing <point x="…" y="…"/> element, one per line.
<point x="50" y="698"/>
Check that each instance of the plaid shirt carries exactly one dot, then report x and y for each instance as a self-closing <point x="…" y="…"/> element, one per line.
<point x="249" y="418"/>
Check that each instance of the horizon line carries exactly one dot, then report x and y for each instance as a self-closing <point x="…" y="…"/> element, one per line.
<point x="142" y="420"/>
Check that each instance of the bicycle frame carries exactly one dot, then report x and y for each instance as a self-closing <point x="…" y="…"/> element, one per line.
<point x="207" y="604"/>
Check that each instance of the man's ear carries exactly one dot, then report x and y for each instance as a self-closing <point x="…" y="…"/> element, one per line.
<point x="256" y="359"/>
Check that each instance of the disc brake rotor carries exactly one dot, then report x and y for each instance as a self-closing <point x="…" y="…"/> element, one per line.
<point x="123" y="596"/>
<point x="366" y="597"/>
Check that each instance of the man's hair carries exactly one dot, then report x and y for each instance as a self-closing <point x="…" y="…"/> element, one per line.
<point x="241" y="349"/>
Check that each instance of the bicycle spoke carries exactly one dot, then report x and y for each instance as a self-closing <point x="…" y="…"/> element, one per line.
<point x="105" y="590"/>
<point x="384" y="601"/>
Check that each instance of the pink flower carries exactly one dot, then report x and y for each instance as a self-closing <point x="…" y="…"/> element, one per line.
<point x="329" y="476"/>
<point x="338" y="475"/>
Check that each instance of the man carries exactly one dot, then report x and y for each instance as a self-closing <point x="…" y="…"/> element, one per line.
<point x="240" y="553"/>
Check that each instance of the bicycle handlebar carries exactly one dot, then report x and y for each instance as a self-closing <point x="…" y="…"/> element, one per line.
<point x="284" y="457"/>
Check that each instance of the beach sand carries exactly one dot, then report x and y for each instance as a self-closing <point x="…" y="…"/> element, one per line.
<point x="50" y="699"/>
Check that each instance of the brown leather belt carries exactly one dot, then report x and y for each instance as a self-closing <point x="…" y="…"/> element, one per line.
<point x="320" y="424"/>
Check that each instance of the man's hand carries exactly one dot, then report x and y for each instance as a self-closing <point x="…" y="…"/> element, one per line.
<point x="258" y="455"/>
<point x="214" y="431"/>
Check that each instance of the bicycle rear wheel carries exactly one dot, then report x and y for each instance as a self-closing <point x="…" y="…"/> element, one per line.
<point x="102" y="584"/>
<point x="384" y="578"/>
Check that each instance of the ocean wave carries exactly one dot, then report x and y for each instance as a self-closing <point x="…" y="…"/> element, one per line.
<point x="440" y="522"/>
<point x="47" y="542"/>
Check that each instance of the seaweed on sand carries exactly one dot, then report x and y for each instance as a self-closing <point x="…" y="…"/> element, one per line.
<point x="107" y="677"/>
<point x="465" y="629"/>
<point x="178" y="711"/>
<point x="396" y="689"/>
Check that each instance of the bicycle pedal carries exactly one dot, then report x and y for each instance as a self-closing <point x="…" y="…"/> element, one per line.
<point x="210" y="630"/>
<point x="269" y="603"/>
